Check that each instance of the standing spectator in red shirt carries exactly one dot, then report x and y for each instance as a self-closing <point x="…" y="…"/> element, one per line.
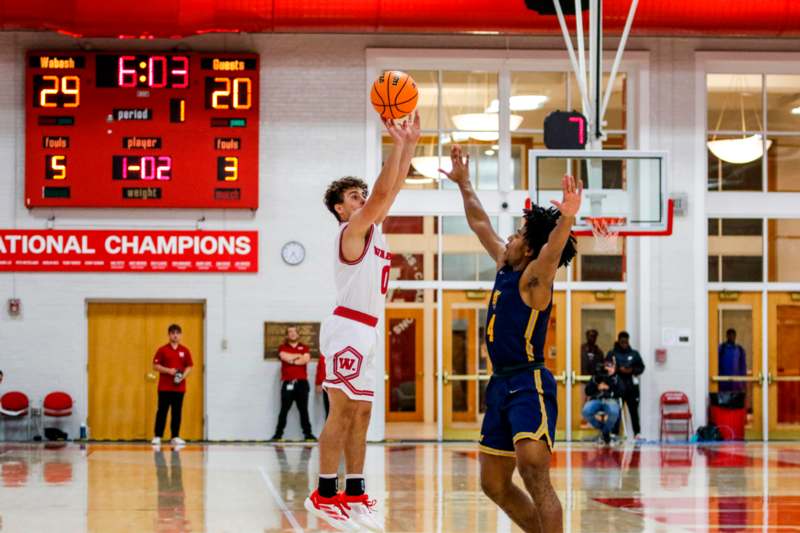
<point x="318" y="381"/>
<point x="294" y="382"/>
<point x="173" y="362"/>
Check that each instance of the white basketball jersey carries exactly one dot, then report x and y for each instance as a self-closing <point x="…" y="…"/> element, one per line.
<point x="362" y="284"/>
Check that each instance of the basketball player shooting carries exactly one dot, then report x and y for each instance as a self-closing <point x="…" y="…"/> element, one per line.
<point x="521" y="408"/>
<point x="348" y="337"/>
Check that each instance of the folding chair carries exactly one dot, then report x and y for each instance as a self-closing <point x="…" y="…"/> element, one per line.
<point x="675" y="410"/>
<point x="15" y="405"/>
<point x="56" y="405"/>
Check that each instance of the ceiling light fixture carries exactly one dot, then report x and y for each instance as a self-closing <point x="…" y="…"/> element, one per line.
<point x="429" y="165"/>
<point x="520" y="102"/>
<point x="739" y="151"/>
<point x="483" y="126"/>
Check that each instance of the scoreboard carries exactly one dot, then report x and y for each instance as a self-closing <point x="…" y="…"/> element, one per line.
<point x="141" y="129"/>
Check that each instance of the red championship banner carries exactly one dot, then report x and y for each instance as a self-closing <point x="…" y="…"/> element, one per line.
<point x="128" y="251"/>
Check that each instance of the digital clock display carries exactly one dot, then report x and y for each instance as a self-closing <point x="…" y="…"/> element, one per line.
<point x="143" y="71"/>
<point x="135" y="129"/>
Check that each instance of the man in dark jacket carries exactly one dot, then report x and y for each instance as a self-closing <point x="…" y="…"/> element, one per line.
<point x="591" y="353"/>
<point x="604" y="390"/>
<point x="629" y="367"/>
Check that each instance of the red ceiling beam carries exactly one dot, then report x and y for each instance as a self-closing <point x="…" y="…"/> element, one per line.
<point x="180" y="18"/>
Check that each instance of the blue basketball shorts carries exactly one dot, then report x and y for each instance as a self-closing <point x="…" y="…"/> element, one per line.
<point x="521" y="406"/>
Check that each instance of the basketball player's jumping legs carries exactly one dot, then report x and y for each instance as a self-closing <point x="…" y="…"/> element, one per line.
<point x="496" y="483"/>
<point x="538" y="510"/>
<point x="345" y="432"/>
<point x="533" y="464"/>
<point x="336" y="433"/>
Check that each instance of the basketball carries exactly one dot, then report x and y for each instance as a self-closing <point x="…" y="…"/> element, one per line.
<point x="394" y="94"/>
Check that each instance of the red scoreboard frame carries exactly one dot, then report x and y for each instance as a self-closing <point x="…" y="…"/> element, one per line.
<point x="141" y="129"/>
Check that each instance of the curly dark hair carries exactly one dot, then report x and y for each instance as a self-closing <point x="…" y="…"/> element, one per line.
<point x="539" y="222"/>
<point x="335" y="193"/>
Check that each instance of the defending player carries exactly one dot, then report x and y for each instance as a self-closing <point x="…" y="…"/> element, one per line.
<point x="521" y="410"/>
<point x="348" y="337"/>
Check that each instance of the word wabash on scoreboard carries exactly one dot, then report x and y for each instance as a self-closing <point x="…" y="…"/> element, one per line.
<point x="134" y="129"/>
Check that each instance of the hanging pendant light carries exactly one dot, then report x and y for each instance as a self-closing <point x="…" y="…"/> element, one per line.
<point x="484" y="126"/>
<point x="739" y="151"/>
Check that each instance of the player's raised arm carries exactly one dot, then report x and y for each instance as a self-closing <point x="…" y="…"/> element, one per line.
<point x="410" y="131"/>
<point x="381" y="197"/>
<point x="537" y="279"/>
<point x="477" y="218"/>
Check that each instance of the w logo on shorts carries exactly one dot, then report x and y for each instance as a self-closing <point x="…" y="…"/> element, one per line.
<point x="347" y="364"/>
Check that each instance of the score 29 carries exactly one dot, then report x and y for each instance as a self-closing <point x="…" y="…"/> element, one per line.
<point x="56" y="91"/>
<point x="228" y="93"/>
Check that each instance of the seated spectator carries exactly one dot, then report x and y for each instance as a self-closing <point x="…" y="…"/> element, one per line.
<point x="604" y="391"/>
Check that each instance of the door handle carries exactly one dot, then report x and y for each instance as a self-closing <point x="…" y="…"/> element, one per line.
<point x="738" y="379"/>
<point x="561" y="378"/>
<point x="580" y="378"/>
<point x="447" y="377"/>
<point x="150" y="376"/>
<point x="785" y="379"/>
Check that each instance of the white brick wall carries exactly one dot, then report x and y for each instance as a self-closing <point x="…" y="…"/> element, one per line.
<point x="312" y="131"/>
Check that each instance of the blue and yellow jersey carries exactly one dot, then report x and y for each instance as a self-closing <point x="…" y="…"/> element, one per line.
<point x="515" y="333"/>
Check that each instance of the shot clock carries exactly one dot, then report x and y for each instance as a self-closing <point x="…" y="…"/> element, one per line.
<point x="141" y="129"/>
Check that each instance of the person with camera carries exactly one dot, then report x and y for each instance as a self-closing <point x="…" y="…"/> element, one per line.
<point x="604" y="391"/>
<point x="173" y="362"/>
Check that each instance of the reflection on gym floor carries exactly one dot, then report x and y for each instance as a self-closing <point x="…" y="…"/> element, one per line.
<point x="420" y="487"/>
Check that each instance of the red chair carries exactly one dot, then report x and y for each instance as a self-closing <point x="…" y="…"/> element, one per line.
<point x="675" y="409"/>
<point x="15" y="405"/>
<point x="57" y="404"/>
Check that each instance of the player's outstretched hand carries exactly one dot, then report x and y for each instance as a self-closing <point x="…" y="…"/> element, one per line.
<point x="460" y="170"/>
<point x="410" y="130"/>
<point x="393" y="128"/>
<point x="570" y="204"/>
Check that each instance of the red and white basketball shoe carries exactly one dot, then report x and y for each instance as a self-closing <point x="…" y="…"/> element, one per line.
<point x="362" y="511"/>
<point x="332" y="510"/>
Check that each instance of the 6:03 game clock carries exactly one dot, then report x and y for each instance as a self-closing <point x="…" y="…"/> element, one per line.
<point x="141" y="129"/>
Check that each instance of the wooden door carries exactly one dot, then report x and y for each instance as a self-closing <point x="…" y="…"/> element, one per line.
<point x="740" y="311"/>
<point x="404" y="337"/>
<point x="466" y="365"/>
<point x="123" y="337"/>
<point x="784" y="365"/>
<point x="604" y="312"/>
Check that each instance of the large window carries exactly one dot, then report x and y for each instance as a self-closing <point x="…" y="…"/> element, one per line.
<point x="750" y="115"/>
<point x="460" y="106"/>
<point x="735" y="250"/>
<point x="454" y="107"/>
<point x="784" y="250"/>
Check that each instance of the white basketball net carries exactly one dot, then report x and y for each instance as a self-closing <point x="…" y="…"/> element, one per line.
<point x="605" y="237"/>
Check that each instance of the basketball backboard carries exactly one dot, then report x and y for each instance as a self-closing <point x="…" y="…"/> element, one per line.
<point x="629" y="187"/>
